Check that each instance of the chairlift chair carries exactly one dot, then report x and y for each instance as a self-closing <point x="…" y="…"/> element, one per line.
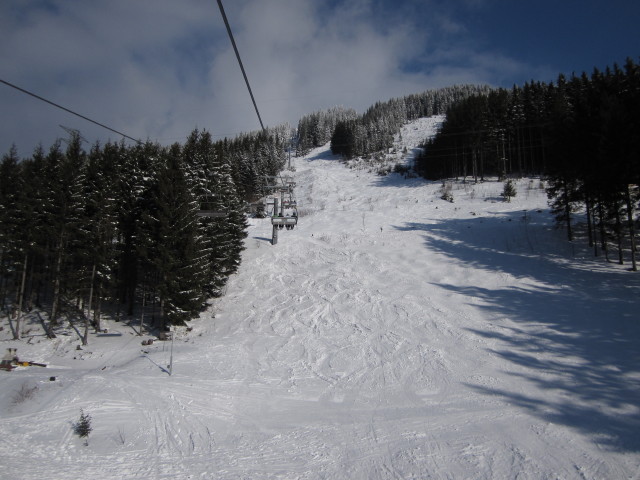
<point x="210" y="212"/>
<point x="282" y="222"/>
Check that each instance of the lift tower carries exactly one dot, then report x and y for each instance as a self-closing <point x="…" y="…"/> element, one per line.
<point x="285" y="208"/>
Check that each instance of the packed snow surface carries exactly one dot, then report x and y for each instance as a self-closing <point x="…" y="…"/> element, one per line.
<point x="391" y="334"/>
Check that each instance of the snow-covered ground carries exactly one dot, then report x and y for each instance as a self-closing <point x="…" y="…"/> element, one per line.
<point x="390" y="335"/>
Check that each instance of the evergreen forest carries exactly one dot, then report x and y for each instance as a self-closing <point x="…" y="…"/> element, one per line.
<point x="116" y="229"/>
<point x="357" y="136"/>
<point x="120" y="229"/>
<point x="580" y="134"/>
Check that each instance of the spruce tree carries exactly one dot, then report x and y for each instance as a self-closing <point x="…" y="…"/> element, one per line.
<point x="509" y="190"/>
<point x="11" y="247"/>
<point x="62" y="214"/>
<point x="34" y="227"/>
<point x="99" y="227"/>
<point x="83" y="427"/>
<point x="173" y="249"/>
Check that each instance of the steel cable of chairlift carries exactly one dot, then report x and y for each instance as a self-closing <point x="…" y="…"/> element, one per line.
<point x="235" y="49"/>
<point x="27" y="92"/>
<point x="278" y="222"/>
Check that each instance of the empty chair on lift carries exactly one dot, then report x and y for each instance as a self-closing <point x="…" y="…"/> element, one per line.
<point x="208" y="208"/>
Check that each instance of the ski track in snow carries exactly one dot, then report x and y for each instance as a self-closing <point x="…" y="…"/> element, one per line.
<point x="390" y="335"/>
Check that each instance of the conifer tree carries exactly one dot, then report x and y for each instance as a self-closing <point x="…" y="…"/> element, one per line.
<point x="138" y="168"/>
<point x="12" y="250"/>
<point x="83" y="427"/>
<point x="509" y="191"/>
<point x="63" y="210"/>
<point x="34" y="222"/>
<point x="173" y="249"/>
<point x="224" y="235"/>
<point x="100" y="226"/>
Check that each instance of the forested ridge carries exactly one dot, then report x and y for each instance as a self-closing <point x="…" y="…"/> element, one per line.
<point x="373" y="131"/>
<point x="117" y="227"/>
<point x="580" y="134"/>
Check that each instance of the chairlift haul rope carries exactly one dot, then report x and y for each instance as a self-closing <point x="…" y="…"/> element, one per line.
<point x="278" y="220"/>
<point x="235" y="49"/>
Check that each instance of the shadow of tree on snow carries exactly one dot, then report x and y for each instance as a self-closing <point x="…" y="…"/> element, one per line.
<point x="574" y="330"/>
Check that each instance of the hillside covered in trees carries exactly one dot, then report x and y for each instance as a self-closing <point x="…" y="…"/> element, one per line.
<point x="394" y="334"/>
<point x="372" y="132"/>
<point x="579" y="133"/>
<point x="116" y="227"/>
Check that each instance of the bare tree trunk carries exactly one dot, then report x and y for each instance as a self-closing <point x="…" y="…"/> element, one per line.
<point x="619" y="234"/>
<point x="530" y="166"/>
<point x="153" y="306"/>
<point x="17" y="333"/>
<point x="544" y="151"/>
<point x="85" y="337"/>
<point x="474" y="166"/>
<point x="161" y="319"/>
<point x="29" y="296"/>
<point x="632" y="234"/>
<point x="603" y="233"/>
<point x="98" y="309"/>
<point x="56" y="295"/>
<point x="2" y="295"/>
<point x="587" y="202"/>
<point x="464" y="165"/>
<point x="567" y="210"/>
<point x="144" y="303"/>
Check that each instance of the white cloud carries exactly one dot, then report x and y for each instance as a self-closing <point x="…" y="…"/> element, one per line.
<point x="158" y="68"/>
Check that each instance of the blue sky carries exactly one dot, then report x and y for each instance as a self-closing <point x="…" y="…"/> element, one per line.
<point x="156" y="69"/>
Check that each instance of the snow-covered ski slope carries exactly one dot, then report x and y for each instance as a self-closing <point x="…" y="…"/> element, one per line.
<point x="390" y="335"/>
